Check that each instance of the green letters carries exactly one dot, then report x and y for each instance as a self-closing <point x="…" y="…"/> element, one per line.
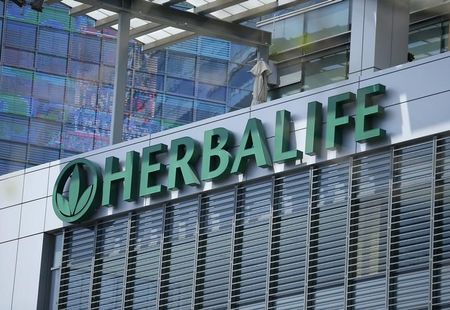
<point x="282" y="137"/>
<point x="216" y="160"/>
<point x="336" y="120"/>
<point x="313" y="128"/>
<point x="253" y="144"/>
<point x="184" y="153"/>
<point x="364" y="113"/>
<point x="114" y="176"/>
<point x="150" y="169"/>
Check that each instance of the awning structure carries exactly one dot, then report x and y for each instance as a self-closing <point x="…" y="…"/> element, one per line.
<point x="158" y="23"/>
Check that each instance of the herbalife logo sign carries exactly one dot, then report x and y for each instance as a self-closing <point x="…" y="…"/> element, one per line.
<point x="82" y="186"/>
<point x="82" y="198"/>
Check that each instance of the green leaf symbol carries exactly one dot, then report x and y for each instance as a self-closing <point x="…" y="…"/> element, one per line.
<point x="77" y="188"/>
<point x="63" y="204"/>
<point x="84" y="199"/>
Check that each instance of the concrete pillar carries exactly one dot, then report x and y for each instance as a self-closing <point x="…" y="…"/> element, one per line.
<point x="120" y="79"/>
<point x="379" y="36"/>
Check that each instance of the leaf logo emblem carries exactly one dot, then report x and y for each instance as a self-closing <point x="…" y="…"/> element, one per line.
<point x="82" y="197"/>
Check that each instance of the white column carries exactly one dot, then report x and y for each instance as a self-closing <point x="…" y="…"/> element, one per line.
<point x="379" y="36"/>
<point x="120" y="79"/>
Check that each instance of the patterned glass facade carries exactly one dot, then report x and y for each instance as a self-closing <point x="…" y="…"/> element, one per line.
<point x="56" y="84"/>
<point x="363" y="232"/>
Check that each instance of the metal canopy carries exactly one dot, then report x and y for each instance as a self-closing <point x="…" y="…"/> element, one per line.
<point x="156" y="23"/>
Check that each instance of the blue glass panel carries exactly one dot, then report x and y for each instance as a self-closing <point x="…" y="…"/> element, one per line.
<point x="21" y="13"/>
<point x="53" y="42"/>
<point x="148" y="81"/>
<point x="18" y="58"/>
<point x="238" y="98"/>
<point x="181" y="65"/>
<point x="15" y="81"/>
<point x="212" y="71"/>
<point x="103" y="120"/>
<point x="14" y="104"/>
<point x="109" y="52"/>
<point x="14" y="128"/>
<point x="138" y="127"/>
<point x="83" y="70"/>
<point x="204" y="109"/>
<point x="85" y="47"/>
<point x="39" y="155"/>
<point x="180" y="86"/>
<point x="14" y="151"/>
<point x="177" y="108"/>
<point x="51" y="64"/>
<point x="146" y="104"/>
<point x="55" y="17"/>
<point x="107" y="74"/>
<point x="7" y="166"/>
<point x="2" y="5"/>
<point x="46" y="110"/>
<point x="1" y="26"/>
<point x="101" y="138"/>
<point x="211" y="92"/>
<point x="49" y="87"/>
<point x="216" y="48"/>
<point x="44" y="133"/>
<point x="82" y="23"/>
<point x="81" y="118"/>
<point x="149" y="62"/>
<point x="77" y="139"/>
<point x="240" y="76"/>
<point x="20" y="35"/>
<point x="242" y="53"/>
<point x="189" y="46"/>
<point x="81" y="93"/>
<point x="105" y="98"/>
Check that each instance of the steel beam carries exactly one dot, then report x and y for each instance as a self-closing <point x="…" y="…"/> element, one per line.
<point x="82" y="9"/>
<point x="215" y="6"/>
<point x="199" y="24"/>
<point x="144" y="29"/>
<point x="120" y="78"/>
<point x="107" y="22"/>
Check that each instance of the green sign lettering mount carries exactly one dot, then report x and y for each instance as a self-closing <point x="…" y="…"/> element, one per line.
<point x="81" y="187"/>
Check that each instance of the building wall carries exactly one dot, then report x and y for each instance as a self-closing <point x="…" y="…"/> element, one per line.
<point x="416" y="105"/>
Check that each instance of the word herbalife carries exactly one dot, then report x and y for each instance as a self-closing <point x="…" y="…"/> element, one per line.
<point x="142" y="174"/>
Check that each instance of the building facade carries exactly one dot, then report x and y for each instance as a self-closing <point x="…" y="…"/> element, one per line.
<point x="348" y="223"/>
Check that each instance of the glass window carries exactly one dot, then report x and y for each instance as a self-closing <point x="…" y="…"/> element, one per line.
<point x="18" y="58"/>
<point x="147" y="104"/>
<point x="204" y="109"/>
<point x="429" y="40"/>
<point x="107" y="74"/>
<point x="47" y="110"/>
<point x="51" y="64"/>
<point x="240" y="76"/>
<point x="327" y="21"/>
<point x="54" y="17"/>
<point x="211" y="92"/>
<point x="45" y="133"/>
<point x="39" y="155"/>
<point x="148" y="81"/>
<point x="25" y="13"/>
<point x="13" y="151"/>
<point x="83" y="70"/>
<point x="181" y="65"/>
<point x="215" y="48"/>
<point x="109" y="52"/>
<point x="212" y="71"/>
<point x="85" y="47"/>
<point x="150" y="62"/>
<point x="20" y="35"/>
<point x="53" y="42"/>
<point x="77" y="139"/>
<point x="325" y="70"/>
<point x="49" y="87"/>
<point x="180" y="86"/>
<point x="287" y="33"/>
<point x="238" y="98"/>
<point x="178" y="109"/>
<point x="81" y="93"/>
<point x="16" y="82"/>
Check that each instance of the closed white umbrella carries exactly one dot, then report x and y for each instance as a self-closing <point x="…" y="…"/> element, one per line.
<point x="260" y="87"/>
